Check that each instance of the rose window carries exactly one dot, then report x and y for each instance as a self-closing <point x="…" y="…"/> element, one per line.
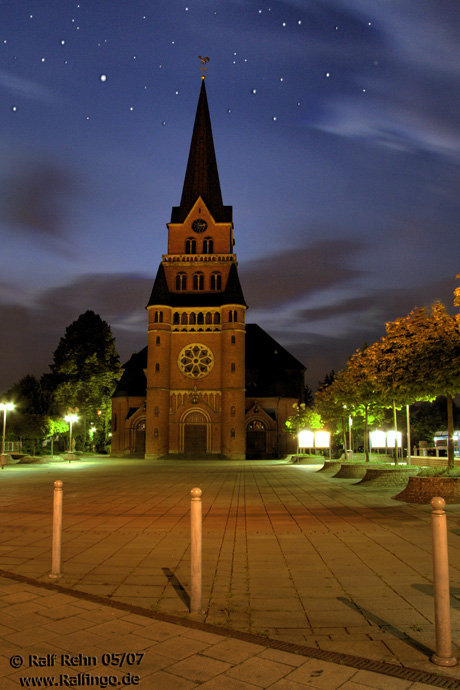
<point x="196" y="360"/>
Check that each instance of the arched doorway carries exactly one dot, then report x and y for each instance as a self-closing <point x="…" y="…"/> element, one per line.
<point x="195" y="433"/>
<point x="256" y="439"/>
<point x="139" y="438"/>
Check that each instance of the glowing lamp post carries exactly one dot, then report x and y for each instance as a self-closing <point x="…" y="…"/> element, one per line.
<point x="70" y="418"/>
<point x="6" y="407"/>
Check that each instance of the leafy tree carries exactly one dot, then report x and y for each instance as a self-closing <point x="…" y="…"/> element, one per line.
<point x="85" y="370"/>
<point x="29" y="396"/>
<point x="302" y="418"/>
<point x="355" y="389"/>
<point x="327" y="380"/>
<point x="29" y="426"/>
<point x="419" y="359"/>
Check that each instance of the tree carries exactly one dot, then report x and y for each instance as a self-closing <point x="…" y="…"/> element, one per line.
<point x="302" y="418"/>
<point x="355" y="389"/>
<point x="85" y="370"/>
<point x="419" y="359"/>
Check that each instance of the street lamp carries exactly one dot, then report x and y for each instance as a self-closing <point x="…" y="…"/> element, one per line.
<point x="5" y="407"/>
<point x="70" y="418"/>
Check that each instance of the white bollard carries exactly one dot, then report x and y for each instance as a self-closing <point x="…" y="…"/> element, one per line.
<point x="443" y="655"/>
<point x="195" y="551"/>
<point x="57" y="531"/>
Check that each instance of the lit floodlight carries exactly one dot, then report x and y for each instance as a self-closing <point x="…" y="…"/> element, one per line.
<point x="391" y="437"/>
<point x="306" y="439"/>
<point x="378" y="439"/>
<point x="322" y="439"/>
<point x="6" y="407"/>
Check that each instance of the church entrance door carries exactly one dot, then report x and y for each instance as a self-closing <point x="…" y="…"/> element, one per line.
<point x="139" y="439"/>
<point x="195" y="433"/>
<point x="195" y="438"/>
<point x="256" y="440"/>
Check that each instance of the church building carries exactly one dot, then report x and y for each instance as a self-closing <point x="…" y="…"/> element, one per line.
<point x="207" y="384"/>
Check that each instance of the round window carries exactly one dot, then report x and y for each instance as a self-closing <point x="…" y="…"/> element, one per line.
<point x="195" y="360"/>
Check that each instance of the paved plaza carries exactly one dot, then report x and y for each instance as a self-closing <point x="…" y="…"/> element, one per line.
<point x="290" y="555"/>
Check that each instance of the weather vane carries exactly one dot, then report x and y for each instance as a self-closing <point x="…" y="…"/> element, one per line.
<point x="204" y="60"/>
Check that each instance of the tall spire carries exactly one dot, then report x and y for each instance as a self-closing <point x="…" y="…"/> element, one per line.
<point x="202" y="177"/>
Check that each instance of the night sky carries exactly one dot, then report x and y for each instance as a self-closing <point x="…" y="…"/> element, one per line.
<point x="337" y="132"/>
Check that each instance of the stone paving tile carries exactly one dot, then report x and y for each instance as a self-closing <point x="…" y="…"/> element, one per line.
<point x="225" y="682"/>
<point x="321" y="675"/>
<point x="232" y="650"/>
<point x="179" y="649"/>
<point x="169" y="681"/>
<point x="260" y="672"/>
<point x="198" y="669"/>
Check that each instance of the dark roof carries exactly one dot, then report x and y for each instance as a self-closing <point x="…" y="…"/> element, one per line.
<point x="201" y="176"/>
<point x="161" y="296"/>
<point x="160" y="292"/>
<point x="270" y="369"/>
<point x="133" y="381"/>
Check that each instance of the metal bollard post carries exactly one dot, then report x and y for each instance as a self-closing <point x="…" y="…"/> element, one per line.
<point x="443" y="655"/>
<point x="195" y="551"/>
<point x="57" y="531"/>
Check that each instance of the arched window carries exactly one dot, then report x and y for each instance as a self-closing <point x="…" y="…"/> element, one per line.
<point x="158" y="317"/>
<point x="184" y="318"/>
<point x="158" y="339"/>
<point x="181" y="281"/>
<point x="208" y="245"/>
<point x="217" y="317"/>
<point x="208" y="318"/>
<point x="157" y="367"/>
<point x="233" y="341"/>
<point x="216" y="281"/>
<point x="192" y="318"/>
<point x="232" y="367"/>
<point x="176" y="317"/>
<point x="232" y="433"/>
<point x="156" y="411"/>
<point x="233" y="315"/>
<point x="190" y="245"/>
<point x="198" y="281"/>
<point x="200" y="318"/>
<point x="233" y="410"/>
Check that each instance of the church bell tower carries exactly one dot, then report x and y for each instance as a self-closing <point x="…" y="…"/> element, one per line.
<point x="195" y="404"/>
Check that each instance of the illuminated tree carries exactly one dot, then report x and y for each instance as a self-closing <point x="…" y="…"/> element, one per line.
<point x="302" y="418"/>
<point x="85" y="371"/>
<point x="418" y="360"/>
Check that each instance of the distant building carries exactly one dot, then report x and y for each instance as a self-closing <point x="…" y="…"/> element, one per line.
<point x="207" y="382"/>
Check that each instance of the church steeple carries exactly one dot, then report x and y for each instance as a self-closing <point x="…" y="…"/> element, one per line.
<point x="201" y="176"/>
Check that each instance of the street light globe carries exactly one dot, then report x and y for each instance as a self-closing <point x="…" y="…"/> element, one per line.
<point x="71" y="418"/>
<point x="7" y="406"/>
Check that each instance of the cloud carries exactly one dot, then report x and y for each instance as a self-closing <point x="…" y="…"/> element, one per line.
<point x="31" y="330"/>
<point x="27" y="88"/>
<point x="295" y="273"/>
<point x="36" y="198"/>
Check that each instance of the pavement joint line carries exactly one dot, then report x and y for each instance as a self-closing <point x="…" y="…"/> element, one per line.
<point x="404" y="673"/>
